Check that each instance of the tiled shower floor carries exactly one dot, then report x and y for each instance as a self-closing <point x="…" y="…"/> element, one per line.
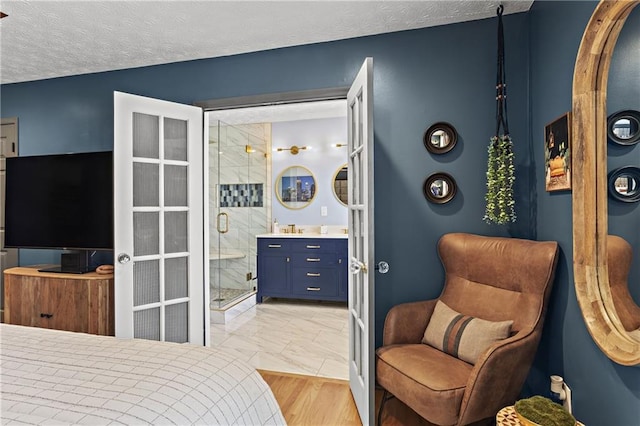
<point x="224" y="296"/>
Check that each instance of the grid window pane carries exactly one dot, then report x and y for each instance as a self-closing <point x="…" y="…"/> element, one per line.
<point x="146" y="178"/>
<point x="146" y="239"/>
<point x="175" y="239"/>
<point x="176" y="278"/>
<point x="175" y="139"/>
<point x="177" y="323"/>
<point x="146" y="282"/>
<point x="146" y="324"/>
<point x="146" y="135"/>
<point x="175" y="186"/>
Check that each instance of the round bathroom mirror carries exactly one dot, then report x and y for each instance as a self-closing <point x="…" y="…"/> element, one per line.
<point x="624" y="184"/>
<point x="340" y="185"/>
<point x="440" y="138"/>
<point x="295" y="187"/>
<point x="439" y="188"/>
<point x="623" y="127"/>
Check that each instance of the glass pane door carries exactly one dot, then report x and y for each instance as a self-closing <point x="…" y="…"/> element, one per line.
<point x="237" y="188"/>
<point x="158" y="220"/>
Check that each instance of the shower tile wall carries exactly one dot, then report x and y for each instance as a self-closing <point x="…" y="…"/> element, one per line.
<point x="245" y="185"/>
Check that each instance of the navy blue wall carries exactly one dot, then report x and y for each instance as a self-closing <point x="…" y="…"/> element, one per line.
<point x="445" y="73"/>
<point x="423" y="76"/>
<point x="604" y="393"/>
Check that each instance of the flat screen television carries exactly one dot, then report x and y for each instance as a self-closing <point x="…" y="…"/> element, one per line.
<point x="60" y="201"/>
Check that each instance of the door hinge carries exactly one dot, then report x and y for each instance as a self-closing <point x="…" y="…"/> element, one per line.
<point x="249" y="276"/>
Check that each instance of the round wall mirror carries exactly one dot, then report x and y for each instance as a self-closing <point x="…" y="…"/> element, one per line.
<point x="624" y="184"/>
<point x="295" y="187"/>
<point x="440" y="138"/>
<point x="623" y="127"/>
<point x="439" y="188"/>
<point x="340" y="185"/>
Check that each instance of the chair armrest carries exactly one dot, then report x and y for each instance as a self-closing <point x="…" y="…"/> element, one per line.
<point x="498" y="376"/>
<point x="405" y="323"/>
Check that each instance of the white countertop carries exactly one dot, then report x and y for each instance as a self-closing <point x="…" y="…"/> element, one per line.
<point x="304" y="235"/>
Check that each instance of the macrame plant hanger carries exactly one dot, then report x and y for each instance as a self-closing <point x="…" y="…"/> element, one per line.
<point x="500" y="165"/>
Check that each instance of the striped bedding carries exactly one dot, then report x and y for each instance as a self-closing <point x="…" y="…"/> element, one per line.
<point x="59" y="377"/>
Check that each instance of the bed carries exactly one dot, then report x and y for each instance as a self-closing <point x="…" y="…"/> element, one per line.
<point x="59" y="377"/>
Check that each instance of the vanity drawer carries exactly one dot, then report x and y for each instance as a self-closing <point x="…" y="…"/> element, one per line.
<point x="315" y="282"/>
<point x="314" y="246"/>
<point x="272" y="245"/>
<point x="314" y="260"/>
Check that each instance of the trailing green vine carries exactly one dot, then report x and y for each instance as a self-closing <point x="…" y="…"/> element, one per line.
<point x="500" y="164"/>
<point x="500" y="181"/>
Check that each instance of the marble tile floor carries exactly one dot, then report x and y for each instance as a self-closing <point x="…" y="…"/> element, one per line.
<point x="291" y="336"/>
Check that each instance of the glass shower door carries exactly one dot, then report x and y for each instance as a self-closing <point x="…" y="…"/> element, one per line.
<point x="237" y="182"/>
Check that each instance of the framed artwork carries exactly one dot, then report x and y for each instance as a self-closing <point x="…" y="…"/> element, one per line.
<point x="557" y="154"/>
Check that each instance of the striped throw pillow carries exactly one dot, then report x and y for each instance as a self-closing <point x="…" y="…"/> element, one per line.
<point x="462" y="336"/>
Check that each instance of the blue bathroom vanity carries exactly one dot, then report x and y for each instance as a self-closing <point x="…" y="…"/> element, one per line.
<point x="298" y="266"/>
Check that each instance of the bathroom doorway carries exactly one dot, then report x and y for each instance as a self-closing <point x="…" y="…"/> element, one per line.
<point x="275" y="335"/>
<point x="240" y="155"/>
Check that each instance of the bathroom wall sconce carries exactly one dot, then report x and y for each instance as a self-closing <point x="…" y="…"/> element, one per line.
<point x="294" y="149"/>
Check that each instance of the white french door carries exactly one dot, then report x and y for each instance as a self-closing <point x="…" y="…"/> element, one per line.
<point x="158" y="220"/>
<point x="361" y="242"/>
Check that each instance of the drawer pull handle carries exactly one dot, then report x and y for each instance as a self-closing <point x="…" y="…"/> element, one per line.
<point x="46" y="315"/>
<point x="313" y="259"/>
<point x="313" y="247"/>
<point x="313" y="274"/>
<point x="313" y="288"/>
<point x="275" y="245"/>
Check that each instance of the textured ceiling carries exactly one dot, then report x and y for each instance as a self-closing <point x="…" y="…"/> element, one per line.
<point x="45" y="39"/>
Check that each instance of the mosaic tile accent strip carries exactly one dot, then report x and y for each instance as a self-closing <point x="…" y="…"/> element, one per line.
<point x="242" y="195"/>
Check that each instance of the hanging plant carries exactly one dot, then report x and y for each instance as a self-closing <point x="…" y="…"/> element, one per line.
<point x="500" y="180"/>
<point x="500" y="164"/>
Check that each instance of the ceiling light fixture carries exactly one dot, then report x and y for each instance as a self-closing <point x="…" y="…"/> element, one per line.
<point x="338" y="145"/>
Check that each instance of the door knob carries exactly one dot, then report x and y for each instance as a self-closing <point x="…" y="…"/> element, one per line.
<point x="123" y="258"/>
<point x="382" y="267"/>
<point x="357" y="266"/>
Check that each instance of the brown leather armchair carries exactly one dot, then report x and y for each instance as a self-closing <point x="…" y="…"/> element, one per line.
<point x="491" y="278"/>
<point x="619" y="258"/>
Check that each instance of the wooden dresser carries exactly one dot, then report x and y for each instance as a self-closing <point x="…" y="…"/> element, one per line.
<point x="73" y="302"/>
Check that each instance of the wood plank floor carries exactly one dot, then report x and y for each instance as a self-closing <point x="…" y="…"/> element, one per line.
<point x="319" y="401"/>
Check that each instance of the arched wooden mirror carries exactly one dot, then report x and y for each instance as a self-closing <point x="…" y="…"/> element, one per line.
<point x="590" y="225"/>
